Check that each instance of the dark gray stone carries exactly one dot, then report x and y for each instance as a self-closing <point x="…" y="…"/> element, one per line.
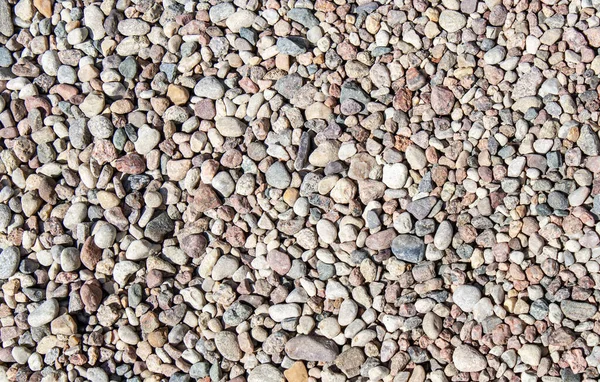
<point x="408" y="248"/>
<point x="159" y="227"/>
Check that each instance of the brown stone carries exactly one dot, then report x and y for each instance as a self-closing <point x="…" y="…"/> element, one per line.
<point x="131" y="164"/>
<point x="90" y="254"/>
<point x="91" y="295"/>
<point x="205" y="198"/>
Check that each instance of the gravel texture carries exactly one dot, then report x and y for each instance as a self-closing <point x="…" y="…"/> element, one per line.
<point x="303" y="191"/>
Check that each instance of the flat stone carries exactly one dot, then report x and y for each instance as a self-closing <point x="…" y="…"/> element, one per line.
<point x="230" y="127"/>
<point x="578" y="311"/>
<point x="312" y="348"/>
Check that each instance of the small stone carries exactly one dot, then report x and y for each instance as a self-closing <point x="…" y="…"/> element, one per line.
<point x="443" y="236"/>
<point x="303" y="16"/>
<point x="278" y="176"/>
<point x="227" y="345"/>
<point x="432" y="325"/>
<point x="230" y="127"/>
<point x="452" y="21"/>
<point x="395" y="175"/>
<point x="44" y="313"/>
<point x="265" y="373"/>
<point x="530" y="354"/>
<point x="588" y="141"/>
<point x="6" y="23"/>
<point x="9" y="262"/>
<point x="442" y="99"/>
<point x="468" y="359"/>
<point x="408" y="248"/>
<point x="466" y="296"/>
<point x="293" y="46"/>
<point x="296" y="373"/>
<point x="311" y="348"/>
<point x="210" y="87"/>
<point x="578" y="311"/>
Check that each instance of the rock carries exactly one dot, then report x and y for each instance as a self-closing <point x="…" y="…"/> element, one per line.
<point x="44" y="313"/>
<point x="350" y="361"/>
<point x="210" y="87"/>
<point x="9" y="262"/>
<point x="6" y="24"/>
<point x="230" y="127"/>
<point x="443" y="236"/>
<point x="159" y="227"/>
<point x="588" y="141"/>
<point x="468" y="359"/>
<point x="278" y="176"/>
<point x="452" y="21"/>
<point x="97" y="374"/>
<point x="227" y="345"/>
<point x="293" y="46"/>
<point x="123" y="270"/>
<point x="324" y="154"/>
<point x="578" y="311"/>
<point x="442" y="99"/>
<point x="530" y="354"/>
<point x="395" y="175"/>
<point x="466" y="296"/>
<point x="265" y="373"/>
<point x="432" y="325"/>
<point x="296" y="373"/>
<point x="311" y="348"/>
<point x="408" y="248"/>
<point x="303" y="16"/>
<point x="283" y="312"/>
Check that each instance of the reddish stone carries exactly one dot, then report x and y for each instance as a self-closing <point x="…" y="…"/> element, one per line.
<point x="38" y="102"/>
<point x="205" y="198"/>
<point x="90" y="254"/>
<point x="205" y="109"/>
<point x="403" y="100"/>
<point x="104" y="151"/>
<point x="91" y="295"/>
<point x="131" y="164"/>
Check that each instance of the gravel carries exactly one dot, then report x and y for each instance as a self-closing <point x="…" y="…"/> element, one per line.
<point x="312" y="191"/>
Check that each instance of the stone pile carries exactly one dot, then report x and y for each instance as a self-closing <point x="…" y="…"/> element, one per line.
<point x="327" y="190"/>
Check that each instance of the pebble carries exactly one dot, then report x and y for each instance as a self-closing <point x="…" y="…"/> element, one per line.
<point x="265" y="373"/>
<point x="311" y="348"/>
<point x="467" y="359"/>
<point x="9" y="262"/>
<point x="408" y="248"/>
<point x="260" y="191"/>
<point x="466" y="297"/>
<point x="44" y="313"/>
<point x="452" y="21"/>
<point x="530" y="354"/>
<point x="278" y="176"/>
